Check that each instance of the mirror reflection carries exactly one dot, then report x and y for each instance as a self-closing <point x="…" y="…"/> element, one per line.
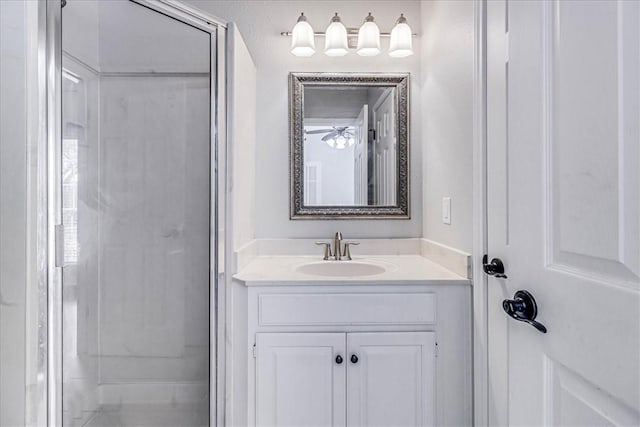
<point x="349" y="155"/>
<point x="350" y="146"/>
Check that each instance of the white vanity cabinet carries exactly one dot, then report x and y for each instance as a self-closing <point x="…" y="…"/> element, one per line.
<point x="392" y="382"/>
<point x="297" y="381"/>
<point x="359" y="354"/>
<point x="359" y="378"/>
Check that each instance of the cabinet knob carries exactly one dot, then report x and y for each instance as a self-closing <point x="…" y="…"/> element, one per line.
<point x="354" y="358"/>
<point x="339" y="359"/>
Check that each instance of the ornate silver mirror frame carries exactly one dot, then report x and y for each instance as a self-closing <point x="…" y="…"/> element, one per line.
<point x="297" y="82"/>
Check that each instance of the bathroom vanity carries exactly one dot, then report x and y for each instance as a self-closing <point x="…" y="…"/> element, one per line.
<point x="380" y="340"/>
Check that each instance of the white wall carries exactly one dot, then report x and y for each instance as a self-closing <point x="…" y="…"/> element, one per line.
<point x="134" y="39"/>
<point x="260" y="23"/>
<point x="12" y="211"/>
<point x="447" y="116"/>
<point x="81" y="22"/>
<point x="18" y="283"/>
<point x="337" y="170"/>
<point x="138" y="41"/>
<point x="242" y="136"/>
<point x="326" y="103"/>
<point x="241" y="104"/>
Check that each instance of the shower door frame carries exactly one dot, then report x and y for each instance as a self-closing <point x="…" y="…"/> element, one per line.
<point x="48" y="409"/>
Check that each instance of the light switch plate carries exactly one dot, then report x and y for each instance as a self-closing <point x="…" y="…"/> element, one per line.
<point x="446" y="210"/>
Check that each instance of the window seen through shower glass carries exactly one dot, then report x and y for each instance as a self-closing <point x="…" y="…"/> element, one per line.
<point x="135" y="185"/>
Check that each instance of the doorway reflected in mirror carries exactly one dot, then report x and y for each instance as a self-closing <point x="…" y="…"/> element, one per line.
<point x="349" y="160"/>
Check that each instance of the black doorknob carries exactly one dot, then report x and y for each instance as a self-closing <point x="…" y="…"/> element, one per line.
<point x="339" y="359"/>
<point x="354" y="358"/>
<point x="523" y="308"/>
<point x="494" y="268"/>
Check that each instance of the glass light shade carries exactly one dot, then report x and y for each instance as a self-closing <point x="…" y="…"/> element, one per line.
<point x="331" y="142"/>
<point x="341" y="142"/>
<point x="302" y="38"/>
<point x="400" y="45"/>
<point x="351" y="141"/>
<point x="335" y="41"/>
<point x="368" y="38"/>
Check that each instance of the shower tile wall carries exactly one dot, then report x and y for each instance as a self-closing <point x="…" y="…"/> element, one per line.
<point x="154" y="239"/>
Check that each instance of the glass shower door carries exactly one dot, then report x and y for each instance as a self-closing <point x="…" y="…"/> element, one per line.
<point x="136" y="190"/>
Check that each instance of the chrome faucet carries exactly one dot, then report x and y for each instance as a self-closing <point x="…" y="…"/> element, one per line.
<point x="337" y="249"/>
<point x="338" y="252"/>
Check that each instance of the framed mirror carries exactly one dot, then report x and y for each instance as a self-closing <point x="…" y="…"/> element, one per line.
<point x="349" y="153"/>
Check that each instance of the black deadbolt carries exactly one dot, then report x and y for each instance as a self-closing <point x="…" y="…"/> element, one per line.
<point x="494" y="268"/>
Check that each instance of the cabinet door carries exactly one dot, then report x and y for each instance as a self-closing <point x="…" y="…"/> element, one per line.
<point x="298" y="381"/>
<point x="392" y="381"/>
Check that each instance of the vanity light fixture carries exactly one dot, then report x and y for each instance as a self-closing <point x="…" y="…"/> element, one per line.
<point x="302" y="38"/>
<point x="368" y="38"/>
<point x="336" y="43"/>
<point x="339" y="39"/>
<point x="400" y="45"/>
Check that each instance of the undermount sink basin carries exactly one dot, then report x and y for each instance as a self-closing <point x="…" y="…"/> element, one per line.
<point x="341" y="268"/>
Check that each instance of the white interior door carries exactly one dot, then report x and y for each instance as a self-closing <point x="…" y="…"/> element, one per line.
<point x="312" y="183"/>
<point x="361" y="129"/>
<point x="385" y="181"/>
<point x="564" y="214"/>
<point x="298" y="380"/>
<point x="391" y="379"/>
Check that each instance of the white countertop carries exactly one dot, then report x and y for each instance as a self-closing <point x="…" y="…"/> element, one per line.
<point x="400" y="270"/>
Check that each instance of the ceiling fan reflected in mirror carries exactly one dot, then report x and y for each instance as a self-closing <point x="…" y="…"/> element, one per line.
<point x="337" y="137"/>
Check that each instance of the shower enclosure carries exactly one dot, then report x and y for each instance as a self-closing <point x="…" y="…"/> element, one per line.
<point x="133" y="201"/>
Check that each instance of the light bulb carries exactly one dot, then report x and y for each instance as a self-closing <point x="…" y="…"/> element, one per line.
<point x="351" y="141"/>
<point x="368" y="38"/>
<point x="331" y="142"/>
<point x="335" y="43"/>
<point x="302" y="38"/>
<point x="341" y="142"/>
<point x="400" y="45"/>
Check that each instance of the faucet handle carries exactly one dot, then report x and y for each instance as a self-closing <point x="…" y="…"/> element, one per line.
<point x="347" y="251"/>
<point x="327" y="250"/>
